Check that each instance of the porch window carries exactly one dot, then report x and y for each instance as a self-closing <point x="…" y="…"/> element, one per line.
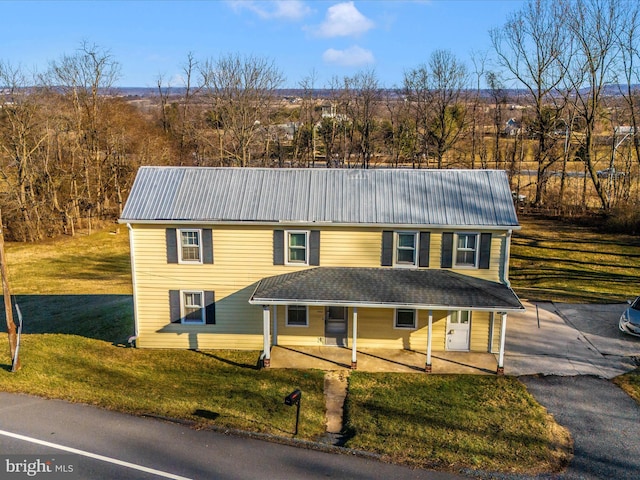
<point x="406" y="248"/>
<point x="466" y="250"/>
<point x="297" y="316"/>
<point x="192" y="307"/>
<point x="190" y="246"/>
<point x="297" y="242"/>
<point x="405" y="318"/>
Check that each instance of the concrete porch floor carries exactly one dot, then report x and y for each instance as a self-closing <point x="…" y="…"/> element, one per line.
<point x="382" y="360"/>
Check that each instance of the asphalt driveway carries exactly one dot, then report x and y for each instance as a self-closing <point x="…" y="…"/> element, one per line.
<point x="566" y="354"/>
<point x="603" y="420"/>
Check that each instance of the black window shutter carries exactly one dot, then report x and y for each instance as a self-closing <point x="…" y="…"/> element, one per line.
<point x="446" y="257"/>
<point x="423" y="253"/>
<point x="386" y="259"/>
<point x="207" y="246"/>
<point x="210" y="307"/>
<point x="174" y="306"/>
<point x="485" y="250"/>
<point x="314" y="247"/>
<point x="278" y="247"/>
<point x="172" y="246"/>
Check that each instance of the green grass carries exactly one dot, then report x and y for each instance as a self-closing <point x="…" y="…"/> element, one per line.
<point x="555" y="261"/>
<point x="212" y="389"/>
<point x="85" y="264"/>
<point x="75" y="297"/>
<point x="453" y="422"/>
<point x="101" y="317"/>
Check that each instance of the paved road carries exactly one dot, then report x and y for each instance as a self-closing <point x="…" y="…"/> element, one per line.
<point x="129" y="446"/>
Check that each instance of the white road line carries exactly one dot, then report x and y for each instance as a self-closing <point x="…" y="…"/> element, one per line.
<point x="94" y="455"/>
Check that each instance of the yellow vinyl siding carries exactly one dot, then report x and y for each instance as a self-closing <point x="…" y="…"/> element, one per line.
<point x="497" y="328"/>
<point x="242" y="256"/>
<point x="479" y="335"/>
<point x="496" y="262"/>
<point x="313" y="334"/>
<point x="340" y="247"/>
<point x="376" y="329"/>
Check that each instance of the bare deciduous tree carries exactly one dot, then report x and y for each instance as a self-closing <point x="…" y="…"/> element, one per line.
<point x="241" y="91"/>
<point x="530" y="46"/>
<point x="593" y="26"/>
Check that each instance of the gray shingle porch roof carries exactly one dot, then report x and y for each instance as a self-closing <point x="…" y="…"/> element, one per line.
<point x="465" y="198"/>
<point x="386" y="288"/>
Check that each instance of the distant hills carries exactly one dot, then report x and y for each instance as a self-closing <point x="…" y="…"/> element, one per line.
<point x="142" y="92"/>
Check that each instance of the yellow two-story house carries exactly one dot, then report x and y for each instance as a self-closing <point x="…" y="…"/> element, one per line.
<point x="248" y="258"/>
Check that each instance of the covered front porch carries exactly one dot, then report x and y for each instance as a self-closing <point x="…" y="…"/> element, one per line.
<point x="425" y="298"/>
<point x="382" y="360"/>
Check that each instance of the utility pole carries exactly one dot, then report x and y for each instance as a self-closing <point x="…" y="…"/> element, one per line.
<point x="6" y="292"/>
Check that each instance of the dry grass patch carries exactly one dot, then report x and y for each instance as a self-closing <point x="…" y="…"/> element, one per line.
<point x="630" y="383"/>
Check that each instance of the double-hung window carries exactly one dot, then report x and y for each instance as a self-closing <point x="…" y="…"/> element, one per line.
<point x="192" y="307"/>
<point x="405" y="318"/>
<point x="297" y="316"/>
<point x="190" y="246"/>
<point x="297" y="247"/>
<point x="406" y="249"/>
<point x="466" y="250"/>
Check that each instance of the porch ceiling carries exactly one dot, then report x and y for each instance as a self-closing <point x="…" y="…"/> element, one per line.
<point x="385" y="288"/>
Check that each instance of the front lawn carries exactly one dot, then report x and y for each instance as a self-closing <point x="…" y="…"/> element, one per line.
<point x="453" y="422"/>
<point x="433" y="421"/>
<point x="219" y="388"/>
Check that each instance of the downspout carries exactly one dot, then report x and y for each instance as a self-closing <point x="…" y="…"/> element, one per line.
<point x="133" y="338"/>
<point x="507" y="255"/>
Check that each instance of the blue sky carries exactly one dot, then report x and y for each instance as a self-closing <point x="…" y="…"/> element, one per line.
<point x="326" y="38"/>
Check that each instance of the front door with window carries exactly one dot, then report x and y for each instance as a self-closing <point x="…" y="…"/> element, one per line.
<point x="335" y="326"/>
<point x="458" y="328"/>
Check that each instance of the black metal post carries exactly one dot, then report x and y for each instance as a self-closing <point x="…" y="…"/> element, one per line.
<point x="297" y="416"/>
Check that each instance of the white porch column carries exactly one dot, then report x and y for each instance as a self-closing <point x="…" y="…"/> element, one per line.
<point x="427" y="367"/>
<point x="274" y="334"/>
<point x="503" y="333"/>
<point x="354" y="360"/>
<point x="266" y="321"/>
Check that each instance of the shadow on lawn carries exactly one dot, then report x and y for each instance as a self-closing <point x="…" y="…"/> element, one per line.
<point x="101" y="317"/>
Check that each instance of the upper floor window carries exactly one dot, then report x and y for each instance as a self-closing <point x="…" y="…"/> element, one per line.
<point x="296" y="247"/>
<point x="190" y="246"/>
<point x="466" y="250"/>
<point x="406" y="248"/>
<point x="297" y="243"/>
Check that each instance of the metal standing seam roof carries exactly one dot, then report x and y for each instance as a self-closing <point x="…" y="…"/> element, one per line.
<point x="385" y="287"/>
<point x="341" y="196"/>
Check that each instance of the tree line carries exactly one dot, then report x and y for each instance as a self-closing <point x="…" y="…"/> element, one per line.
<point x="559" y="112"/>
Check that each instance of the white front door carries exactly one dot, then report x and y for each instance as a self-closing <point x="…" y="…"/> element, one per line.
<point x="458" y="327"/>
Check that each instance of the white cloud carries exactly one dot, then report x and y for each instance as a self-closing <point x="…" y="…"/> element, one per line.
<point x="344" y="20"/>
<point x="277" y="9"/>
<point x="351" y="57"/>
